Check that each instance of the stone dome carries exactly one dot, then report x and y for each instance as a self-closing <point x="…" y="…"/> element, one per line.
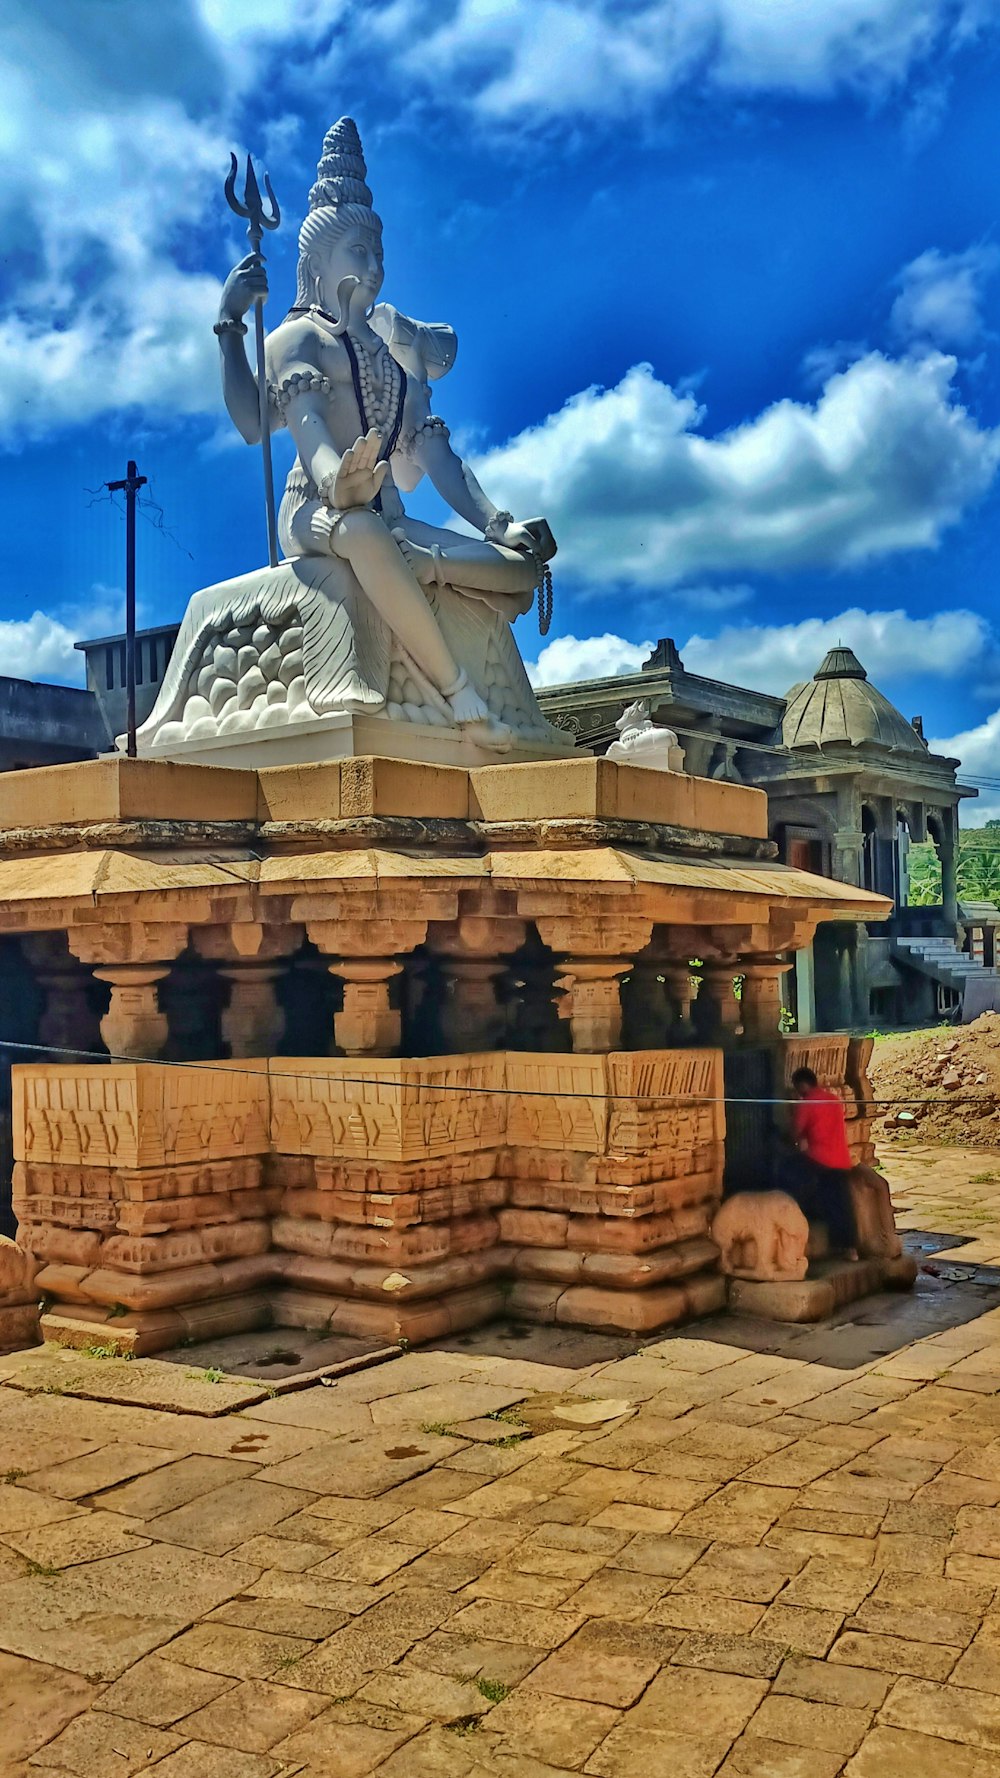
<point x="838" y="707"/>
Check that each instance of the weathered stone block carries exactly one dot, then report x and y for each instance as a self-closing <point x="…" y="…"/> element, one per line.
<point x="18" y="1326"/>
<point x="533" y="1228"/>
<point x="404" y="1110"/>
<point x="632" y="1311"/>
<point x="139" y="1114"/>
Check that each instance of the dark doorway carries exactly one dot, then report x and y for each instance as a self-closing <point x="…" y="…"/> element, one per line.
<point x="748" y="1078"/>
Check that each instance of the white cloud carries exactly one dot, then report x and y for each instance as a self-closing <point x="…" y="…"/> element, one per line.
<point x="528" y="60"/>
<point x="979" y="751"/>
<point x="588" y="657"/>
<point x="889" y="644"/>
<point x="117" y="120"/>
<point x="110" y="149"/>
<point x="941" y="295"/>
<point x="41" y="646"/>
<point x="885" y="460"/>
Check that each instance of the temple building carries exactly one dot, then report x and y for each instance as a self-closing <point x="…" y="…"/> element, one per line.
<point x="362" y="998"/>
<point x="851" y="784"/>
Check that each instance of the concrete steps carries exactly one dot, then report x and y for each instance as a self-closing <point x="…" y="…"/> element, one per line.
<point x="941" y="960"/>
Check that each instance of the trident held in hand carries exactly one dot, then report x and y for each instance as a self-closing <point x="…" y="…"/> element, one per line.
<point x="252" y="208"/>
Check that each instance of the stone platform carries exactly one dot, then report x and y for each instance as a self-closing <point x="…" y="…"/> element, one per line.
<point x="404" y="1199"/>
<point x="830" y="1285"/>
<point x="525" y="1103"/>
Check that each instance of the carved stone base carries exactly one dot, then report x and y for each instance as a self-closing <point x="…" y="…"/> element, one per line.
<point x="287" y="665"/>
<point x="389" y="1198"/>
<point x="347" y="736"/>
<point x="832" y="1284"/>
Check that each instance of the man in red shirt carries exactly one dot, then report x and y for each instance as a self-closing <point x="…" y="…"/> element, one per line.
<point x="819" y="1131"/>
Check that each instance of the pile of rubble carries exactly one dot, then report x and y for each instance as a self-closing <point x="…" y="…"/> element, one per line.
<point x="943" y="1088"/>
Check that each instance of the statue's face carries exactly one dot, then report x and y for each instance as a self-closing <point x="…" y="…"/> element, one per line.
<point x="358" y="253"/>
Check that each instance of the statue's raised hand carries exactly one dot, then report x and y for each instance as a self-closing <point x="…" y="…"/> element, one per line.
<point x="245" y="285"/>
<point x="359" y="477"/>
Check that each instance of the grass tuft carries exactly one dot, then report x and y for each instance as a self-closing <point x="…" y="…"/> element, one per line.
<point x="493" y="1690"/>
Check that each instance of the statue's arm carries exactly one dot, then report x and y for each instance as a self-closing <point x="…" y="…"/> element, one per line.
<point x="428" y="447"/>
<point x="239" y="388"/>
<point x="245" y="286"/>
<point x="306" y="416"/>
<point x="431" y="451"/>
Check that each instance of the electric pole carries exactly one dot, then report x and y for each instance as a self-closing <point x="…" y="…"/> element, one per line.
<point x="130" y="487"/>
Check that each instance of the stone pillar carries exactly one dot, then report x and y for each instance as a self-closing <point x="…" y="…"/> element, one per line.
<point x="848" y="845"/>
<point x="473" y="951"/>
<point x="253" y="1023"/>
<point x="722" y="1010"/>
<point x="805" y="991"/>
<point x="760" y="1005"/>
<point x="68" y="1021"/>
<point x="250" y="955"/>
<point x="133" y="1025"/>
<point x="949" y="881"/>
<point x="845" y="987"/>
<point x="133" y="960"/>
<point x="591" y="988"/>
<point x="680" y="988"/>
<point x="367" y="1024"/>
<point x="648" y="1014"/>
<point x="593" y="952"/>
<point x="365" y="955"/>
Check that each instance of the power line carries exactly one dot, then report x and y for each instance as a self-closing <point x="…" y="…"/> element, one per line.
<point x="222" y="1066"/>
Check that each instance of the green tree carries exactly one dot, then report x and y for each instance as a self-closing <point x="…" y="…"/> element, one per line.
<point x="978" y="873"/>
<point x="924" y="869"/>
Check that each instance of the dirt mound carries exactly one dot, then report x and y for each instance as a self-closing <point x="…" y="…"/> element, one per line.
<point x="942" y="1086"/>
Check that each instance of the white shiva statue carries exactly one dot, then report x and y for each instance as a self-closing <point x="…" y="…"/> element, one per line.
<point x="372" y="613"/>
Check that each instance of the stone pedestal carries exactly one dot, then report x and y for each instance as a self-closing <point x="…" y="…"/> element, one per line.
<point x="402" y="1201"/>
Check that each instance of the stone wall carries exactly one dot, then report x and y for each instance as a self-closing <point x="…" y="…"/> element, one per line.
<point x="399" y="1198"/>
<point x="841" y="1064"/>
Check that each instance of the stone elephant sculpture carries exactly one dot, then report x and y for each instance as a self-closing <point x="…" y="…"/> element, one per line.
<point x="762" y="1235"/>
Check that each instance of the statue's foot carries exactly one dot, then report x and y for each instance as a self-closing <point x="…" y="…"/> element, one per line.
<point x="423" y="562"/>
<point x="471" y="713"/>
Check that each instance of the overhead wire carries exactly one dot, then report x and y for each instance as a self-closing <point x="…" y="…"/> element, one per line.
<point x="229" y="1068"/>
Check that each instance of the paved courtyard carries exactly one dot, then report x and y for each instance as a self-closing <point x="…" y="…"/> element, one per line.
<point x="744" y="1550"/>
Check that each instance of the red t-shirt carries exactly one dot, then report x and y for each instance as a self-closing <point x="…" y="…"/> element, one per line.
<point x="818" y="1121"/>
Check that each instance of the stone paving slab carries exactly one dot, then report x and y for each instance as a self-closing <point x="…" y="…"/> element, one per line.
<point x="779" y="1560"/>
<point x="139" y="1382"/>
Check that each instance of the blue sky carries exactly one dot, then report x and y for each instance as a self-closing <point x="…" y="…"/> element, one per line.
<point x="725" y="275"/>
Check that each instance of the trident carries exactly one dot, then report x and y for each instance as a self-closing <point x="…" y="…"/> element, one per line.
<point x="252" y="207"/>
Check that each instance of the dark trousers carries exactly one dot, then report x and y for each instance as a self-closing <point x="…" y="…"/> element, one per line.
<point x="822" y="1194"/>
